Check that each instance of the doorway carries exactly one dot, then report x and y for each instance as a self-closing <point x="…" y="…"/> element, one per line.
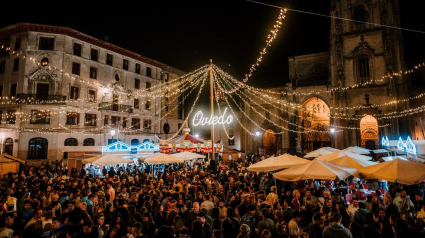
<point x="269" y="142"/>
<point x="42" y="91"/>
<point x="115" y="100"/>
<point x="369" y="132"/>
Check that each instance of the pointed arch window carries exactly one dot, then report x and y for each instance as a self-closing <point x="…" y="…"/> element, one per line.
<point x="363" y="68"/>
<point x="360" y="16"/>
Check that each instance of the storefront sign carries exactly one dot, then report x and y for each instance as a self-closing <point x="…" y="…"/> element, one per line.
<point x="199" y="119"/>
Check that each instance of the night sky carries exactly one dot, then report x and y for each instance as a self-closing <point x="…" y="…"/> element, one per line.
<point x="187" y="33"/>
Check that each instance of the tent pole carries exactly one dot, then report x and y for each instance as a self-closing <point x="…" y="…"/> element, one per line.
<point x="212" y="109"/>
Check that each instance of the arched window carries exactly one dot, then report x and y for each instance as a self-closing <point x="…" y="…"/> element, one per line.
<point x="71" y="142"/>
<point x="363" y="68"/>
<point x="8" y="146"/>
<point x="37" y="148"/>
<point x="360" y="16"/>
<point x="88" y="142"/>
<point x="135" y="142"/>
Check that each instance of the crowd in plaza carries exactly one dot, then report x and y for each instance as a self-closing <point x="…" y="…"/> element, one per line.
<point x="194" y="200"/>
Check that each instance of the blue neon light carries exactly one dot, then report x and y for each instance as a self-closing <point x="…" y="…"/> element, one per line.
<point x="123" y="147"/>
<point x="385" y="141"/>
<point x="410" y="147"/>
<point x="407" y="146"/>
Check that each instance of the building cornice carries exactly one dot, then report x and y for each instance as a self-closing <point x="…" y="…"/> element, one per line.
<point x="31" y="27"/>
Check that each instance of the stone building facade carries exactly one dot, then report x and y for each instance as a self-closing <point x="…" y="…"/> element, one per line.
<point x="61" y="88"/>
<point x="360" y="55"/>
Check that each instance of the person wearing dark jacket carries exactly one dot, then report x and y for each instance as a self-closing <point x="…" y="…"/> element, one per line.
<point x="336" y="229"/>
<point x="316" y="228"/>
<point x="360" y="214"/>
<point x="148" y="227"/>
<point x="230" y="225"/>
<point x="266" y="223"/>
<point x="89" y="231"/>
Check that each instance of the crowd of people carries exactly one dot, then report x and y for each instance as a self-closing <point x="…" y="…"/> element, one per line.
<point x="197" y="201"/>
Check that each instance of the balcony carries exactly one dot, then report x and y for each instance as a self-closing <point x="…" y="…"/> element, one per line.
<point x="312" y="83"/>
<point x="115" y="107"/>
<point x="40" y="99"/>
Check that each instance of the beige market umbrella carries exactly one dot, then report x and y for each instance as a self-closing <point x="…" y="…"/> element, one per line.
<point x="105" y="160"/>
<point x="405" y="171"/>
<point x="160" y="158"/>
<point x="320" y="152"/>
<point x="277" y="163"/>
<point x="338" y="154"/>
<point x="352" y="162"/>
<point x="315" y="169"/>
<point x="188" y="155"/>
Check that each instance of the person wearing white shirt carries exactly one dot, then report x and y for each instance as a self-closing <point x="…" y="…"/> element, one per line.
<point x="354" y="206"/>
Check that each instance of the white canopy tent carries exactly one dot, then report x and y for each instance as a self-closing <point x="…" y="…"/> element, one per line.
<point x="315" y="169"/>
<point x="277" y="163"/>
<point x="188" y="155"/>
<point x="320" y="152"/>
<point x="105" y="160"/>
<point x="403" y="171"/>
<point x="160" y="158"/>
<point x="352" y="162"/>
<point x="357" y="150"/>
<point x="338" y="154"/>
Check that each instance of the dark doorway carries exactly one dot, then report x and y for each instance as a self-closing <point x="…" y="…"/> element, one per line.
<point x="42" y="91"/>
<point x="8" y="146"/>
<point x="327" y="144"/>
<point x="115" y="99"/>
<point x="316" y="145"/>
<point x="370" y="144"/>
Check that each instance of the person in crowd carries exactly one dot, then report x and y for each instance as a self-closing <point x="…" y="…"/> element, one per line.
<point x="176" y="200"/>
<point x="336" y="229"/>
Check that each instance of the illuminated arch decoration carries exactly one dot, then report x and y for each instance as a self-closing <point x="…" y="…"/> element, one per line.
<point x="116" y="146"/>
<point x="314" y="115"/>
<point x="408" y="146"/>
<point x="123" y="147"/>
<point x="369" y="132"/>
<point x="147" y="146"/>
<point x="385" y="142"/>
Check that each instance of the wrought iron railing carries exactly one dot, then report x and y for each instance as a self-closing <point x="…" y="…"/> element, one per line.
<point x="40" y="99"/>
<point x="115" y="107"/>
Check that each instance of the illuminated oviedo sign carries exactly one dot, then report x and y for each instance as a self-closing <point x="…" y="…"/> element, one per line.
<point x="199" y="119"/>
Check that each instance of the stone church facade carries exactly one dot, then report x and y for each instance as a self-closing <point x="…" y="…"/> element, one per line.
<point x="359" y="54"/>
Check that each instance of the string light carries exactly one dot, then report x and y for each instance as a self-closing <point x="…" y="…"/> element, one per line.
<point x="270" y="38"/>
<point x="282" y="110"/>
